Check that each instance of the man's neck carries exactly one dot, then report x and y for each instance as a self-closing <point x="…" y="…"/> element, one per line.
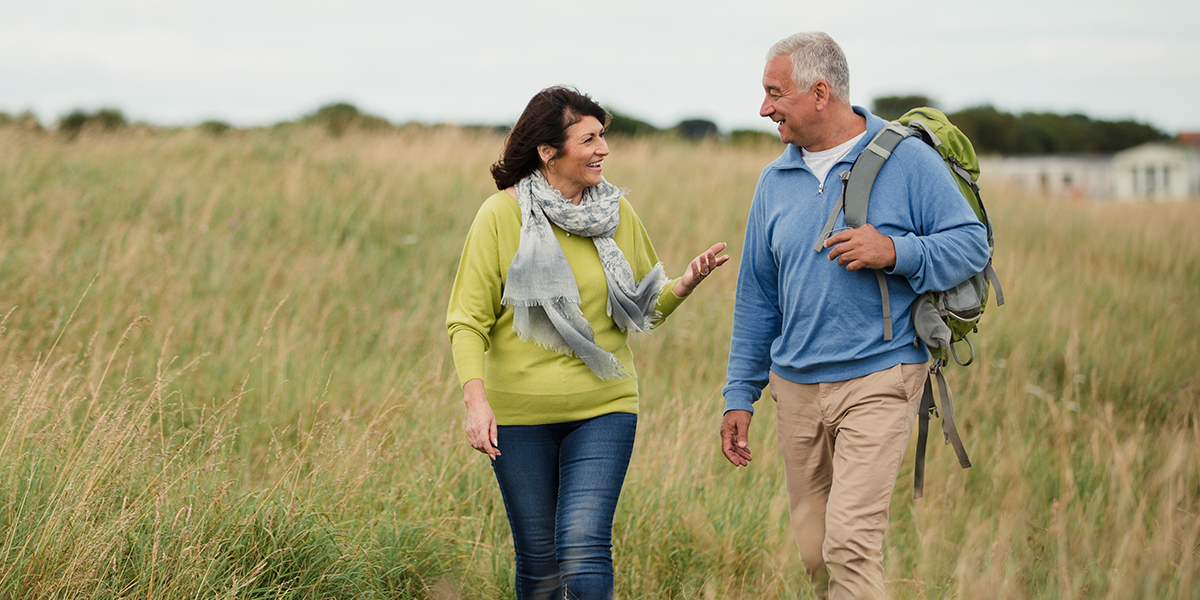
<point x="843" y="125"/>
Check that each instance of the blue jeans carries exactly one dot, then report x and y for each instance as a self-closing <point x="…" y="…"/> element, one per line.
<point x="560" y="484"/>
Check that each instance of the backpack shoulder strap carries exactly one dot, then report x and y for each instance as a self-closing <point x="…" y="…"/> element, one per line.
<point x="856" y="195"/>
<point x="866" y="168"/>
<point x="856" y="190"/>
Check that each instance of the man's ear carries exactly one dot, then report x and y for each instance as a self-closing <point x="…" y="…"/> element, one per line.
<point x="821" y="94"/>
<point x="546" y="152"/>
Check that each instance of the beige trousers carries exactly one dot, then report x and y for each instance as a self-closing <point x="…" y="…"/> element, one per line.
<point x="842" y="445"/>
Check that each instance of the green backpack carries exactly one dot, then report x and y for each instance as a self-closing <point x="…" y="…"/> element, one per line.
<point x="942" y="319"/>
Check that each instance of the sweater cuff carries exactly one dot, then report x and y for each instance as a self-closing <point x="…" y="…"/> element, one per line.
<point x="468" y="347"/>
<point x="667" y="300"/>
<point x="907" y="253"/>
<point x="738" y="399"/>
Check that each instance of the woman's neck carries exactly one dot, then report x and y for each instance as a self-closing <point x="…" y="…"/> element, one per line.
<point x="574" y="193"/>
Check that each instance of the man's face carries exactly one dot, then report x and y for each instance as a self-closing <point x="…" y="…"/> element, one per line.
<point x="793" y="109"/>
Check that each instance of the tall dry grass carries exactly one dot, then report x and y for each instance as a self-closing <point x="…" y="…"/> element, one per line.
<point x="223" y="373"/>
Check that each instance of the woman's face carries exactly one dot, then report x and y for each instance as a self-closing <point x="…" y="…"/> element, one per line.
<point x="582" y="158"/>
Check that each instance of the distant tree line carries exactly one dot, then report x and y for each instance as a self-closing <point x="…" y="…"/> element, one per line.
<point x="994" y="131"/>
<point x="25" y="120"/>
<point x="341" y="117"/>
<point x="688" y="129"/>
<point x="336" y="119"/>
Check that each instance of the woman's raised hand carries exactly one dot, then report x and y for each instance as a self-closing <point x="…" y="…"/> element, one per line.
<point x="700" y="268"/>
<point x="481" y="421"/>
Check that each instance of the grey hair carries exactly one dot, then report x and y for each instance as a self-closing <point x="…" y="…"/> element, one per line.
<point x="815" y="56"/>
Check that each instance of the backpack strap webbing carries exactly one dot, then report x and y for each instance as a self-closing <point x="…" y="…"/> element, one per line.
<point x="866" y="168"/>
<point x="857" y="195"/>
<point x="964" y="174"/>
<point x="990" y="273"/>
<point x="926" y="132"/>
<point x="948" y="427"/>
<point x="856" y="192"/>
<point x="879" y="277"/>
<point x="928" y="407"/>
<point x="887" y="305"/>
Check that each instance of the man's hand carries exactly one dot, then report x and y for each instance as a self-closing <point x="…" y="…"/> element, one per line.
<point x="862" y="248"/>
<point x="735" y="437"/>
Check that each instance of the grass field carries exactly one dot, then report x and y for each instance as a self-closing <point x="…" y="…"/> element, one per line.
<point x="224" y="373"/>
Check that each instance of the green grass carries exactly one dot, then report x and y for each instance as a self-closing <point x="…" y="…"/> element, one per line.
<point x="224" y="373"/>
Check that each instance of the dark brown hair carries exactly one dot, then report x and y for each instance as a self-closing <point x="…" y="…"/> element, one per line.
<point x="545" y="121"/>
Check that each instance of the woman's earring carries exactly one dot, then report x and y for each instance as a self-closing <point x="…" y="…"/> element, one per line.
<point x="552" y="162"/>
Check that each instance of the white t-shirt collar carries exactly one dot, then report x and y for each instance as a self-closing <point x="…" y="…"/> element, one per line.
<point x="822" y="161"/>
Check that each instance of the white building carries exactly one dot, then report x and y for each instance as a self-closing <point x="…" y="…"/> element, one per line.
<point x="1156" y="171"/>
<point x="1082" y="177"/>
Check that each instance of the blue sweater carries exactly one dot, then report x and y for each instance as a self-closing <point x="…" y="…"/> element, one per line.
<point x="808" y="319"/>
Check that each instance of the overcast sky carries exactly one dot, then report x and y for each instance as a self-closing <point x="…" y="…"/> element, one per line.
<point x="253" y="62"/>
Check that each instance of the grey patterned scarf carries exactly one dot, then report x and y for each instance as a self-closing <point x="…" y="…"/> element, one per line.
<point x="541" y="287"/>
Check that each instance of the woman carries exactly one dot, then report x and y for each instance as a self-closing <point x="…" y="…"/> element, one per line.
<point x="556" y="272"/>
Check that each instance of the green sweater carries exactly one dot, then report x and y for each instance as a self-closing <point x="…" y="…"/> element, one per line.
<point x="526" y="384"/>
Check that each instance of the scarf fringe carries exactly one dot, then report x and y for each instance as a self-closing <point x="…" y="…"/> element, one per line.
<point x="615" y="370"/>
<point x="543" y="344"/>
<point x="540" y="302"/>
<point x="652" y="321"/>
<point x="618" y="370"/>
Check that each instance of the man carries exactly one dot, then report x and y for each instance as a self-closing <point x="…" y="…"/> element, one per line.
<point x="809" y="322"/>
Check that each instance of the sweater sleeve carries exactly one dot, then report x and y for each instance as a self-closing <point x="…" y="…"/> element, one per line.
<point x="951" y="244"/>
<point x="475" y="297"/>
<point x="757" y="319"/>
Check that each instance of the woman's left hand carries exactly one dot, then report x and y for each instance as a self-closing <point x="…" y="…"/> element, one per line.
<point x="700" y="268"/>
